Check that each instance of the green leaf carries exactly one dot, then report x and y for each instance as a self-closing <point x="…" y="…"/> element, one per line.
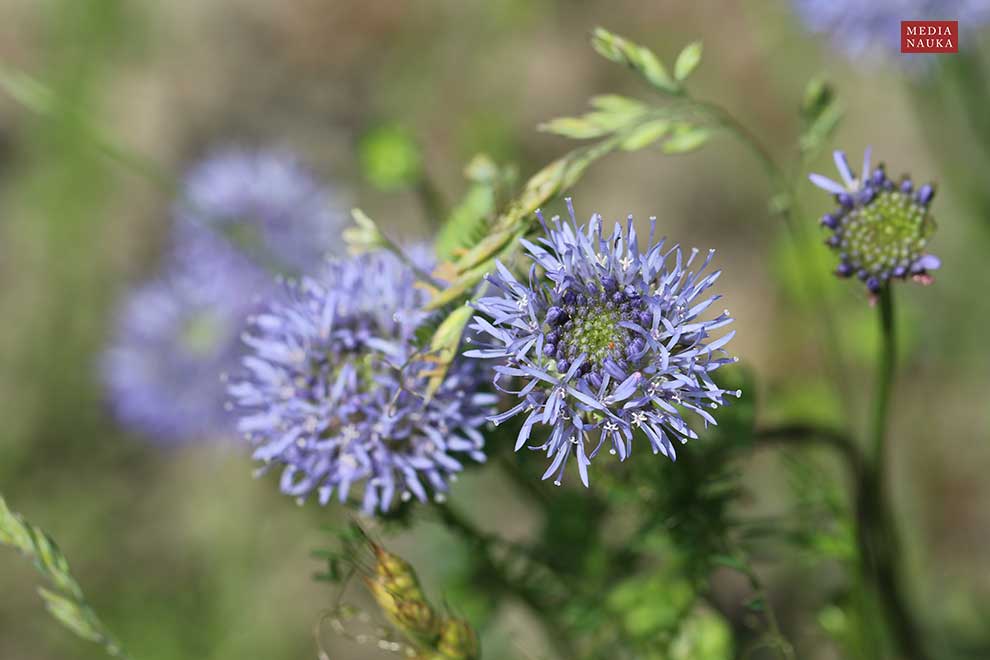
<point x="579" y="128"/>
<point x="612" y="114"/>
<point x="27" y="91"/>
<point x="444" y="345"/>
<point x="468" y="221"/>
<point x="817" y="134"/>
<point x="364" y="236"/>
<point x="687" y="61"/>
<point x="705" y="635"/>
<point x="482" y="169"/>
<point x="818" y="96"/>
<point x="646" y="135"/>
<point x="69" y="613"/>
<point x="731" y="561"/>
<point x="686" y="138"/>
<point x="390" y="157"/>
<point x="639" y="58"/>
<point x="820" y="117"/>
<point x="42" y="100"/>
<point x="65" y="603"/>
<point x="618" y="104"/>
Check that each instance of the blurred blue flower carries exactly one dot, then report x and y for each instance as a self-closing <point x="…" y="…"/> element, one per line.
<point x="241" y="218"/>
<point x="604" y="338"/>
<point x="262" y="204"/>
<point x="332" y="390"/>
<point x="880" y="229"/>
<point x="174" y="337"/>
<point x="860" y="28"/>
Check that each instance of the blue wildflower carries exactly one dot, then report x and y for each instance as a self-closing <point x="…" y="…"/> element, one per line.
<point x="858" y="28"/>
<point x="604" y="338"/>
<point x="241" y="217"/>
<point x="332" y="390"/>
<point x="173" y="338"/>
<point x="263" y="205"/>
<point x="881" y="228"/>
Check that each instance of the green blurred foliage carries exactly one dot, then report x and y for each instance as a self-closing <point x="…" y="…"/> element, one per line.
<point x="390" y="157"/>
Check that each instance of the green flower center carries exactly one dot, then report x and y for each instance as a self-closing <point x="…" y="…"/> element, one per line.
<point x="201" y="334"/>
<point x="596" y="332"/>
<point x="891" y="231"/>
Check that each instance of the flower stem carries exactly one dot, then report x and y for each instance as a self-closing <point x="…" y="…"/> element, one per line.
<point x="885" y="373"/>
<point x="526" y="588"/>
<point x="783" y="189"/>
<point x="876" y="530"/>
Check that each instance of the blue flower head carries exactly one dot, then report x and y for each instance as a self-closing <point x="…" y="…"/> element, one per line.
<point x="241" y="218"/>
<point x="332" y="390"/>
<point x="859" y="28"/>
<point x="264" y="206"/>
<point x="604" y="338"/>
<point x="881" y="228"/>
<point x="173" y="338"/>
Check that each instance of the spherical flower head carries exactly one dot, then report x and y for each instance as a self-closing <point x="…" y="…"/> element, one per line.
<point x="174" y="337"/>
<point x="860" y="28"/>
<point x="605" y="338"/>
<point x="333" y="390"/>
<point x="881" y="228"/>
<point x="263" y="205"/>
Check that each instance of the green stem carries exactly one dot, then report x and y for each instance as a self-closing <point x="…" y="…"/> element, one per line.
<point x="885" y="373"/>
<point x="808" y="434"/>
<point x="783" y="187"/>
<point x="775" y="639"/>
<point x="526" y="590"/>
<point x="876" y="531"/>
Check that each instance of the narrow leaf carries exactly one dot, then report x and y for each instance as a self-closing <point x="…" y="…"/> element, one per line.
<point x="687" y="61"/>
<point x="639" y="58"/>
<point x="617" y="104"/>
<point x="444" y="345"/>
<point x="646" y="135"/>
<point x="687" y="139"/>
<point x="579" y="128"/>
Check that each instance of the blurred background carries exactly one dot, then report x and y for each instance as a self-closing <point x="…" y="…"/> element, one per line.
<point x="180" y="550"/>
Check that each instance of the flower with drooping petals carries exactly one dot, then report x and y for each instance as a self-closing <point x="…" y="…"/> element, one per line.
<point x="604" y="337"/>
<point x="881" y="228"/>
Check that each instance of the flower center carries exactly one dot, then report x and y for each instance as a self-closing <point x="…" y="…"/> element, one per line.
<point x="202" y="333"/>
<point x="589" y="324"/>
<point x="891" y="231"/>
<point x="595" y="331"/>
